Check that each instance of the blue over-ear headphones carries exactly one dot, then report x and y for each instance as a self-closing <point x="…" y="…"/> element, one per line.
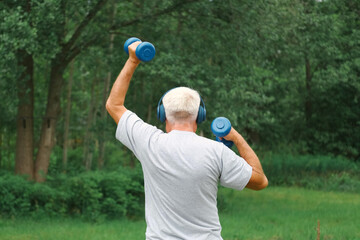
<point x="162" y="116"/>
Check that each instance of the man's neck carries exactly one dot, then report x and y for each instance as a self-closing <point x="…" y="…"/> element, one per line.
<point x="188" y="126"/>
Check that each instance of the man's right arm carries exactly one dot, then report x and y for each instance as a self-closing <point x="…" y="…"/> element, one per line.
<point x="258" y="179"/>
<point x="115" y="102"/>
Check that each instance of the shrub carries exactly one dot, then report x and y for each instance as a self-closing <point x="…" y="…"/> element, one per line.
<point x="85" y="195"/>
<point x="91" y="195"/>
<point x="47" y="200"/>
<point x="14" y="192"/>
<point x="315" y="172"/>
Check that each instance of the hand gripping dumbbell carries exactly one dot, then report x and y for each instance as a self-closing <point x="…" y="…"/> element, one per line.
<point x="145" y="51"/>
<point x="221" y="127"/>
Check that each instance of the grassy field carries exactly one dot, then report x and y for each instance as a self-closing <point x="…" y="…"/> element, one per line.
<point x="290" y="213"/>
<point x="275" y="213"/>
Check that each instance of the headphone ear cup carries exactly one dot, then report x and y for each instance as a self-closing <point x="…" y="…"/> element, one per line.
<point x="201" y="115"/>
<point x="161" y="113"/>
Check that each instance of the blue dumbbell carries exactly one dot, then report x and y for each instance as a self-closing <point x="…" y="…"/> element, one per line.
<point x="221" y="127"/>
<point x="145" y="51"/>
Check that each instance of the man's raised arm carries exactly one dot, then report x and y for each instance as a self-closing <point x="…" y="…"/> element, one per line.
<point x="115" y="102"/>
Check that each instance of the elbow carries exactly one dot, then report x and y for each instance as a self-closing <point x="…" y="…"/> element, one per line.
<point x="114" y="110"/>
<point x="259" y="184"/>
<point x="108" y="106"/>
<point x="263" y="184"/>
<point x="112" y="107"/>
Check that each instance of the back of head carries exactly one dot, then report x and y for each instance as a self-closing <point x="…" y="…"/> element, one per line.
<point x="181" y="105"/>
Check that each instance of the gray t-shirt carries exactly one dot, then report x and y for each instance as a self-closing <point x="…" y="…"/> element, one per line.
<point x="181" y="175"/>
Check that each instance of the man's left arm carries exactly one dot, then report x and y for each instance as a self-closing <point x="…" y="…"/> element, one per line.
<point x="115" y="102"/>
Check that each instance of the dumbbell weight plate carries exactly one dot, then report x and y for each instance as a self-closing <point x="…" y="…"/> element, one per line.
<point x="145" y="51"/>
<point x="129" y="42"/>
<point x="221" y="126"/>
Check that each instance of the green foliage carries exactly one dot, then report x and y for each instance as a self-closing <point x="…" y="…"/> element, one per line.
<point x="45" y="200"/>
<point x="92" y="195"/>
<point x="16" y="36"/>
<point x="274" y="213"/>
<point x="335" y="122"/>
<point x="344" y="182"/>
<point x="248" y="60"/>
<point x="314" y="172"/>
<point x="15" y="195"/>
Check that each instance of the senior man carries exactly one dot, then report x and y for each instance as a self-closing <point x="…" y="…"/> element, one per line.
<point x="181" y="169"/>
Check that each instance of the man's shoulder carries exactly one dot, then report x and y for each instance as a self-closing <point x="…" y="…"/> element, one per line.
<point x="132" y="125"/>
<point x="210" y="143"/>
<point x="128" y="114"/>
<point x="129" y="118"/>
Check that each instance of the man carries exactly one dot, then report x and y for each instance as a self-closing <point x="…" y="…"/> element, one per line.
<point x="181" y="169"/>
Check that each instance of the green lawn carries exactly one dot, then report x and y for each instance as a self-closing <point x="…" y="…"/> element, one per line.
<point x="290" y="213"/>
<point x="275" y="213"/>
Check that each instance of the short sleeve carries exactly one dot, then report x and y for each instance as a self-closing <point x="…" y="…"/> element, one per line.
<point x="235" y="172"/>
<point x="134" y="133"/>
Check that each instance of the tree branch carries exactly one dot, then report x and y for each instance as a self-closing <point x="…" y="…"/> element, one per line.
<point x="71" y="51"/>
<point x="91" y="14"/>
<point x="76" y="50"/>
<point x="153" y="15"/>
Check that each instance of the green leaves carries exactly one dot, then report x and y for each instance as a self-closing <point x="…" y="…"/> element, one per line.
<point x="93" y="196"/>
<point x="16" y="32"/>
<point x="248" y="60"/>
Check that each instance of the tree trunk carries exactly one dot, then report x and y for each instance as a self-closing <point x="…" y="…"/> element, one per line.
<point x="24" y="162"/>
<point x="1" y="147"/>
<point x="149" y="111"/>
<point x="308" y="98"/>
<point x="67" y="118"/>
<point x="101" y="160"/>
<point x="87" y="153"/>
<point x="47" y="138"/>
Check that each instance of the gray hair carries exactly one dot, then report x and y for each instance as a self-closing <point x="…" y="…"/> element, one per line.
<point x="181" y="104"/>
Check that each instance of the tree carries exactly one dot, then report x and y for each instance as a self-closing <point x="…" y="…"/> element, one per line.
<point x="59" y="32"/>
<point x="277" y="69"/>
<point x="17" y="47"/>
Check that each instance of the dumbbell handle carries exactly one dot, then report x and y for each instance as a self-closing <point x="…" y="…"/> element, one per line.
<point x="221" y="127"/>
<point x="145" y="51"/>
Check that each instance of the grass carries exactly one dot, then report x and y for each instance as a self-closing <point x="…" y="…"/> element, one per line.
<point x="71" y="229"/>
<point x="275" y="213"/>
<point x="290" y="213"/>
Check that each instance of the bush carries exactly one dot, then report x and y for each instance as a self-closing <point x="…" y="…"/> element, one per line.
<point x="314" y="172"/>
<point x="14" y="192"/>
<point x="103" y="194"/>
<point x="47" y="200"/>
<point x="91" y="195"/>
<point x="85" y="195"/>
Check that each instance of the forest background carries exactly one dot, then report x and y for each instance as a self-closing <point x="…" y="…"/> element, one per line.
<point x="286" y="73"/>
